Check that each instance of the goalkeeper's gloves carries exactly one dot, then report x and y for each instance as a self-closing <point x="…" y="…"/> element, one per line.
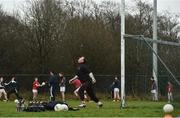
<point x="92" y="77"/>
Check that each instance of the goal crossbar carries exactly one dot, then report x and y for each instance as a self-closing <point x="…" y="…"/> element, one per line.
<point x="139" y="37"/>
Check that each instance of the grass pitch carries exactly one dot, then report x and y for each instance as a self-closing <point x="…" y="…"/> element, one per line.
<point x="110" y="109"/>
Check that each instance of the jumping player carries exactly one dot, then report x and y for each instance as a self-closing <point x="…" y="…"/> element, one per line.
<point x="87" y="79"/>
<point x="2" y="89"/>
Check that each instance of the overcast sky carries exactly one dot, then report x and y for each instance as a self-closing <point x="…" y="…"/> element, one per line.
<point x="170" y="5"/>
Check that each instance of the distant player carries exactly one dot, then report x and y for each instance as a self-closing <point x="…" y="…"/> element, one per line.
<point x="170" y="91"/>
<point x="14" y="88"/>
<point x="87" y="79"/>
<point x="35" y="87"/>
<point x="116" y="85"/>
<point x="62" y="86"/>
<point x="111" y="90"/>
<point x="2" y="89"/>
<point x="52" y="86"/>
<point x="154" y="89"/>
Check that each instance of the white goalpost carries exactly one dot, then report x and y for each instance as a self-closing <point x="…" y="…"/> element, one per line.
<point x="122" y="53"/>
<point x="155" y="68"/>
<point x="155" y="64"/>
<point x="154" y="50"/>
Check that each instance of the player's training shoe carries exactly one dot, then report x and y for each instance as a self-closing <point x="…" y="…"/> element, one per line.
<point x="100" y="104"/>
<point x="82" y="106"/>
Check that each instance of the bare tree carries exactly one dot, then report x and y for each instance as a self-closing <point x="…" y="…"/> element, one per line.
<point x="47" y="24"/>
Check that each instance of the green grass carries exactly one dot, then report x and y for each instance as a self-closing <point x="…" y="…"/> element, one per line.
<point x="110" y="109"/>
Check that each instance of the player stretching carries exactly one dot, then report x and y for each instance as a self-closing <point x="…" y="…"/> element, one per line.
<point x="13" y="88"/>
<point x="87" y="79"/>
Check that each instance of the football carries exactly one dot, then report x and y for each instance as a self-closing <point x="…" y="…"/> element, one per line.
<point x="43" y="83"/>
<point x="168" y="108"/>
<point x="16" y="101"/>
<point x="61" y="107"/>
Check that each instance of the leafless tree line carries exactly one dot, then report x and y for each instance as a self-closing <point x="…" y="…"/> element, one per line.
<point x="53" y="33"/>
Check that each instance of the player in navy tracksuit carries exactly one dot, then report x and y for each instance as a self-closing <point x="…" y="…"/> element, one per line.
<point x="52" y="86"/>
<point x="87" y="79"/>
<point x="14" y="88"/>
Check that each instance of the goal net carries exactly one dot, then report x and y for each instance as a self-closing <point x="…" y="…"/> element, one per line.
<point x="139" y="67"/>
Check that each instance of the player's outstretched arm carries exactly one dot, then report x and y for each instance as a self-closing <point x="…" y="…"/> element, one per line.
<point x="8" y="83"/>
<point x="75" y="77"/>
<point x="42" y="84"/>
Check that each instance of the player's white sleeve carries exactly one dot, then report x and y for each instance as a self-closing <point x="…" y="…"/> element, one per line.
<point x="92" y="77"/>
